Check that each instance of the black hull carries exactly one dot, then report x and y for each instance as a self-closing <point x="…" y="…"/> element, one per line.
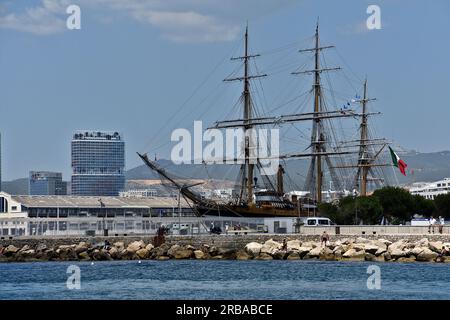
<point x="245" y="212"/>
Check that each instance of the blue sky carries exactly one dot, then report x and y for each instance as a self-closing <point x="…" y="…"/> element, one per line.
<point x="134" y="63"/>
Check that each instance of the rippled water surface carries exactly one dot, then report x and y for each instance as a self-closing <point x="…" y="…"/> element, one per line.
<point x="193" y="279"/>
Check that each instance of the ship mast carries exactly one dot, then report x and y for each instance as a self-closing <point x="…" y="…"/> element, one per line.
<point x="317" y="144"/>
<point x="247" y="169"/>
<point x="363" y="143"/>
<point x="318" y="135"/>
<point x="366" y="158"/>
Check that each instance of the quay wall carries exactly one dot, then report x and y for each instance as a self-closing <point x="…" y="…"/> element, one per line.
<point x="224" y="241"/>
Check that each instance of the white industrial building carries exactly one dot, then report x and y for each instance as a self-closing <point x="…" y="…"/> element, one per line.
<point x="429" y="190"/>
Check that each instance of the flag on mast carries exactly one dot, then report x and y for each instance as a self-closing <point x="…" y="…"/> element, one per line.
<point x="399" y="163"/>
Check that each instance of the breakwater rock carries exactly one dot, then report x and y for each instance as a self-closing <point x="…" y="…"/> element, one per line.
<point x="343" y="249"/>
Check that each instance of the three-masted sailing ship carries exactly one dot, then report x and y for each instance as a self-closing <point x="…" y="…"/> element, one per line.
<point x="272" y="201"/>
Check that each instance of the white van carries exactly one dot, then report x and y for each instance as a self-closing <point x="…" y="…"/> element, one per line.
<point x="317" y="221"/>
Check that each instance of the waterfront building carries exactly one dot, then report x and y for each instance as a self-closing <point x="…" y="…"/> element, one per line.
<point x="139" y="193"/>
<point x="98" y="163"/>
<point x="429" y="190"/>
<point x="46" y="183"/>
<point x="80" y="215"/>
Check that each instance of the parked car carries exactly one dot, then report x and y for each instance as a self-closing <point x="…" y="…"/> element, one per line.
<point x="318" y="221"/>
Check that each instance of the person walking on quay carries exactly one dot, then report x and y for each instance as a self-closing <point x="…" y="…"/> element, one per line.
<point x="432" y="224"/>
<point x="441" y="224"/>
<point x="226" y="228"/>
<point x="325" y="239"/>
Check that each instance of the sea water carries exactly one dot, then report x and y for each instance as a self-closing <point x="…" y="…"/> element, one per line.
<point x="194" y="279"/>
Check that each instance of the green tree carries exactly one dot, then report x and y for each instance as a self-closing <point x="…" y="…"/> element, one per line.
<point x="397" y="203"/>
<point x="422" y="206"/>
<point x="346" y="211"/>
<point x="329" y="210"/>
<point x="369" y="210"/>
<point x="442" y="204"/>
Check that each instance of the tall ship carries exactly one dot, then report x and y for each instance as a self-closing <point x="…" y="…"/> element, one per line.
<point x="348" y="165"/>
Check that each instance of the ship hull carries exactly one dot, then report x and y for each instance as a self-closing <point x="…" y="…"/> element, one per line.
<point x="248" y="212"/>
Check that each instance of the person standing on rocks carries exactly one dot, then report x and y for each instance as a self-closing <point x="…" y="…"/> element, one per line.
<point x="284" y="247"/>
<point x="325" y="239"/>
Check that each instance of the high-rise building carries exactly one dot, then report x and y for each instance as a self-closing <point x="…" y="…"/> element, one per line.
<point x="46" y="183"/>
<point x="98" y="163"/>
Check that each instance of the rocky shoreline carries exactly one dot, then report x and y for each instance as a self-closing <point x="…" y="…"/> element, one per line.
<point x="346" y="249"/>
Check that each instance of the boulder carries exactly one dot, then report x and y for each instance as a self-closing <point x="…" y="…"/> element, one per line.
<point x="229" y="254"/>
<point x="354" y="254"/>
<point x="126" y="255"/>
<point x="406" y="259"/>
<point x="143" y="253"/>
<point x="149" y="247"/>
<point x="279" y="254"/>
<point x="264" y="256"/>
<point x="303" y="251"/>
<point x="27" y="254"/>
<point x="310" y="244"/>
<point x="270" y="246"/>
<point x="370" y="257"/>
<point x="172" y="249"/>
<point x="181" y="254"/>
<point x="217" y="257"/>
<point x="189" y="247"/>
<point x="25" y="248"/>
<point x="373" y="248"/>
<point x="100" y="255"/>
<point x="314" y="253"/>
<point x="380" y="251"/>
<point x="327" y="254"/>
<point x="41" y="247"/>
<point x="422" y="243"/>
<point x="426" y="255"/>
<point x="135" y="246"/>
<point x="358" y="246"/>
<point x="386" y="256"/>
<point x="10" y="250"/>
<point x="435" y="246"/>
<point x="400" y="245"/>
<point x="293" y="256"/>
<point x="84" y="256"/>
<point x="396" y="253"/>
<point x="120" y="246"/>
<point x="387" y="243"/>
<point x="113" y="252"/>
<point x="82" y="246"/>
<point x="417" y="250"/>
<point x="242" y="255"/>
<point x="162" y="250"/>
<point x="199" y="254"/>
<point x="293" y="245"/>
<point x="253" y="248"/>
<point x="213" y="251"/>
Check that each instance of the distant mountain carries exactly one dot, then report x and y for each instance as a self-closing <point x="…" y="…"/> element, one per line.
<point x="18" y="186"/>
<point x="421" y="167"/>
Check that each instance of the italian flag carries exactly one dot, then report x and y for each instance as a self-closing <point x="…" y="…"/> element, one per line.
<point x="399" y="163"/>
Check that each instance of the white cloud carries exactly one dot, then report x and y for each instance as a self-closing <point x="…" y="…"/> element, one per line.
<point x="178" y="20"/>
<point x="41" y="20"/>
